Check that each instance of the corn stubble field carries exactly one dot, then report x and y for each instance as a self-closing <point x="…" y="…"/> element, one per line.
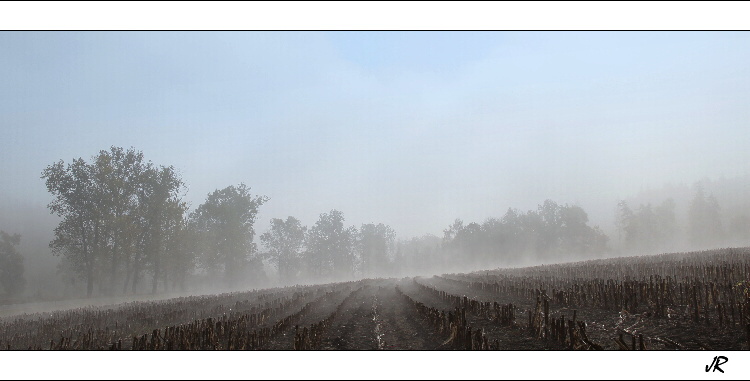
<point x="682" y="301"/>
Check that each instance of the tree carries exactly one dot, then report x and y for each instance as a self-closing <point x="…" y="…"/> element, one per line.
<point x="666" y="224"/>
<point x="532" y="227"/>
<point x="576" y="236"/>
<point x="647" y="228"/>
<point x="739" y="229"/>
<point x="704" y="219"/>
<point x="541" y="234"/>
<point x="623" y="216"/>
<point x="179" y="245"/>
<point x="452" y="242"/>
<point x="470" y="240"/>
<point x="418" y="255"/>
<point x="162" y="211"/>
<point x="549" y="233"/>
<point x="450" y="234"/>
<point x="330" y="248"/>
<point x="78" y="236"/>
<point x="517" y="236"/>
<point x="284" y="243"/>
<point x="115" y="210"/>
<point x="496" y="238"/>
<point x="642" y="229"/>
<point x="11" y="264"/>
<point x="158" y="209"/>
<point x="375" y="243"/>
<point x="118" y="176"/>
<point x="225" y="222"/>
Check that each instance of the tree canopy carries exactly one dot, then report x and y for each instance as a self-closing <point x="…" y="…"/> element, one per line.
<point x="285" y="241"/>
<point x="225" y="225"/>
<point x="114" y="210"/>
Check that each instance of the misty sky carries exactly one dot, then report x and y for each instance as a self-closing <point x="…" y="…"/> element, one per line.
<point x="411" y="129"/>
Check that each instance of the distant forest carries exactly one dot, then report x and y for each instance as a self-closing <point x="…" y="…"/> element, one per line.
<point x="124" y="229"/>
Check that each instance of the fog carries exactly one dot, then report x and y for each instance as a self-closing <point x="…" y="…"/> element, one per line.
<point x="393" y="136"/>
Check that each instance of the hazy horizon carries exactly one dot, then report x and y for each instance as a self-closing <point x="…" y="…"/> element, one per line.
<point x="409" y="129"/>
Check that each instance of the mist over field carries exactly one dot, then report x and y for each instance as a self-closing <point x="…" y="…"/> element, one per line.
<point x="216" y="161"/>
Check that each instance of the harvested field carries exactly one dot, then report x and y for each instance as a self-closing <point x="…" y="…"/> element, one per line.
<point x="690" y="301"/>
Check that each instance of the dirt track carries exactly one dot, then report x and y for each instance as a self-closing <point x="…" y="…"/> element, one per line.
<point x="380" y="319"/>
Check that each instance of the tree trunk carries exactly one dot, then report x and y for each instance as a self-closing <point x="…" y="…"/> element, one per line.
<point x="89" y="280"/>
<point x="96" y="252"/>
<point x="156" y="276"/>
<point x="113" y="271"/>
<point x="229" y="271"/>
<point x="127" y="280"/>
<point x="156" y="248"/>
<point x="89" y="265"/>
<point x="136" y="270"/>
<point x="127" y="271"/>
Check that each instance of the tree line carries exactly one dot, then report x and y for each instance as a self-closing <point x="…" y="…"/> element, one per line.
<point x="328" y="251"/>
<point x="536" y="235"/>
<point x="654" y="229"/>
<point x="125" y="228"/>
<point x="541" y="235"/>
<point x="124" y="224"/>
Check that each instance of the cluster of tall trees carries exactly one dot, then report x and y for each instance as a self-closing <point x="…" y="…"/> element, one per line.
<point x="649" y="229"/>
<point x="221" y="229"/>
<point x="124" y="226"/>
<point x="646" y="228"/>
<point x="518" y="237"/>
<point x="118" y="216"/>
<point x="328" y="250"/>
<point x="704" y="220"/>
<point x="537" y="235"/>
<point x="125" y="229"/>
<point x="12" y="281"/>
<point x="123" y="221"/>
<point x="331" y="251"/>
<point x="420" y="256"/>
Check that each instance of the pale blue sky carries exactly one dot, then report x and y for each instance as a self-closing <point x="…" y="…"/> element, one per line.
<point x="412" y="129"/>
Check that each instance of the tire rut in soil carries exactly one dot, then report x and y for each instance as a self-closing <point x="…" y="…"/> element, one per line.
<point x="401" y="327"/>
<point x="285" y="340"/>
<point x="354" y="327"/>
